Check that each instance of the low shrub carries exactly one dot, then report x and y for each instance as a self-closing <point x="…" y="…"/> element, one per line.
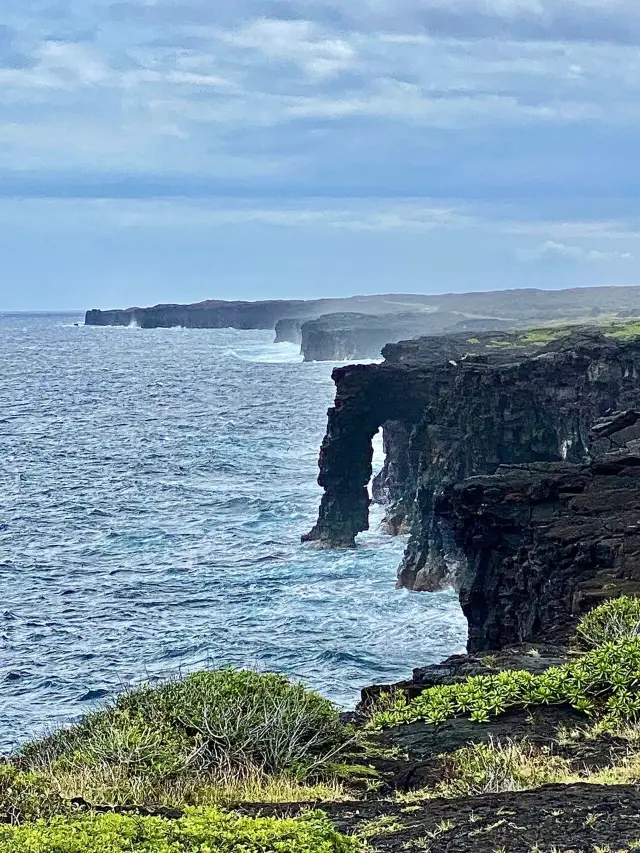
<point x="604" y="684"/>
<point x="617" y="619"/>
<point x="199" y="831"/>
<point x="27" y="796"/>
<point x="215" y="730"/>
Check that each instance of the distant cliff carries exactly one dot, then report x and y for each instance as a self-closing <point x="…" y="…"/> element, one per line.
<point x="349" y="336"/>
<point x="337" y="338"/>
<point x="217" y="314"/>
<point x="204" y="315"/>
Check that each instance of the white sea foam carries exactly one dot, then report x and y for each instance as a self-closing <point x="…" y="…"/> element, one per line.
<point x="283" y="353"/>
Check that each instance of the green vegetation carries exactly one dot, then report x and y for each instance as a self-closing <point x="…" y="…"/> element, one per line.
<point x="624" y="331"/>
<point x="494" y="767"/>
<point x="27" y="795"/>
<point x="617" y="619"/>
<point x="545" y="336"/>
<point x="603" y="683"/>
<point x="210" y="738"/>
<point x="199" y="831"/>
<point x="215" y="739"/>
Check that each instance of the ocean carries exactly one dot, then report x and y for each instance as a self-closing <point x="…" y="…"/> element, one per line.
<point x="154" y="485"/>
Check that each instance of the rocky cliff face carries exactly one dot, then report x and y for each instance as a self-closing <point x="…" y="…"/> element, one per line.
<point x="350" y="336"/>
<point x="204" y="315"/>
<point x="457" y="407"/>
<point x="289" y="331"/>
<point x="217" y="314"/>
<point x="544" y="543"/>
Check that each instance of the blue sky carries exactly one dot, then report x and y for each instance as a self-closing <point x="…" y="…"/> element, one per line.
<point x="177" y="150"/>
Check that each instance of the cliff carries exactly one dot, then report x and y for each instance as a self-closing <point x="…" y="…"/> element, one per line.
<point x="289" y="331"/>
<point x="204" y="315"/>
<point x="350" y="336"/>
<point x="545" y="543"/>
<point x="360" y="337"/>
<point x="217" y="314"/>
<point x="454" y="407"/>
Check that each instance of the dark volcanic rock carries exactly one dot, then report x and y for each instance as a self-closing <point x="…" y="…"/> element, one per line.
<point x="578" y="818"/>
<point x="551" y="533"/>
<point x="344" y="337"/>
<point x="545" y="543"/>
<point x="289" y="331"/>
<point x="468" y="404"/>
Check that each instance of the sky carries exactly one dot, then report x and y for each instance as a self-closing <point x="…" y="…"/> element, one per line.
<point x="178" y="150"/>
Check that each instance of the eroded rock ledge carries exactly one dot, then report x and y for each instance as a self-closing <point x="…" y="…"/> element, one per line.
<point x="519" y="411"/>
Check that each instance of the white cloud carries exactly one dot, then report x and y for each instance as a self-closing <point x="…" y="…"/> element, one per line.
<point x="301" y="42"/>
<point x="551" y="249"/>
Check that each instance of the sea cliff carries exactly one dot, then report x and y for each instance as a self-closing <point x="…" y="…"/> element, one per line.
<point x="454" y="407"/>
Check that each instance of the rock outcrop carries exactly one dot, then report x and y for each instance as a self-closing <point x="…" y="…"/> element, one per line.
<point x="289" y="331"/>
<point x="545" y="543"/>
<point x="453" y="407"/>
<point x="350" y="336"/>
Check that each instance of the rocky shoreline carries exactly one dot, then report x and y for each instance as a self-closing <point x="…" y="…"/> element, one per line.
<point x="358" y="327"/>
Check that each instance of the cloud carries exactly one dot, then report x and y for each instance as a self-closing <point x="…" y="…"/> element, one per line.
<point x="613" y="21"/>
<point x="550" y="250"/>
<point x="300" y="42"/>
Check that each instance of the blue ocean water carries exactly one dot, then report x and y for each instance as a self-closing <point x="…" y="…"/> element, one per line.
<point x="153" y="488"/>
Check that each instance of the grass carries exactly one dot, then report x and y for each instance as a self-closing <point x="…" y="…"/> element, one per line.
<point x="198" y="831"/>
<point x="218" y="738"/>
<point x="498" y="767"/>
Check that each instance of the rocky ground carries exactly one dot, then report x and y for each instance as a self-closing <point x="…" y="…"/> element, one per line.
<point x="562" y="818"/>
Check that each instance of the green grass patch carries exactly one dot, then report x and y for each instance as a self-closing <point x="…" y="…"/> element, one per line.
<point x="624" y="331"/>
<point x="199" y="831"/>
<point x="496" y="767"/>
<point x="544" y="336"/>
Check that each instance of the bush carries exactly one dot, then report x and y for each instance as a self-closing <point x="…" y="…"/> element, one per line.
<point x="199" y="831"/>
<point x="617" y="619"/>
<point x="604" y="683"/>
<point x="27" y="796"/>
<point x="211" y="727"/>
